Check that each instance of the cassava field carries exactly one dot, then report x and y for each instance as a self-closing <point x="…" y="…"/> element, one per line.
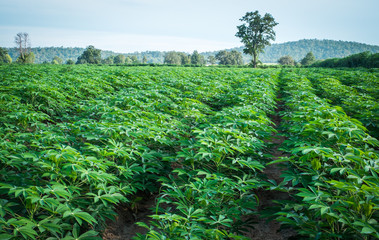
<point x="212" y="153"/>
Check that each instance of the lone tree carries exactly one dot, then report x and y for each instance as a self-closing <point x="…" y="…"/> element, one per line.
<point x="256" y="33"/>
<point x="308" y="59"/>
<point x="91" y="55"/>
<point x="22" y="42"/>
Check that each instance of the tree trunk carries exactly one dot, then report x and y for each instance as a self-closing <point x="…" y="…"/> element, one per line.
<point x="254" y="60"/>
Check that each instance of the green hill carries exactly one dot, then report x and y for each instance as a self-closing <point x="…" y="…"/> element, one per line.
<point x="322" y="49"/>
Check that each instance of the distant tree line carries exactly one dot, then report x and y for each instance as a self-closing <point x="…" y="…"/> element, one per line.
<point x="287" y="60"/>
<point x="48" y="54"/>
<point x="223" y="58"/>
<point x="321" y="49"/>
<point x="92" y="55"/>
<point x="364" y="59"/>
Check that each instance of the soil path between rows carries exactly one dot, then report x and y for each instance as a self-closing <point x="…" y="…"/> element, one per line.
<point x="264" y="229"/>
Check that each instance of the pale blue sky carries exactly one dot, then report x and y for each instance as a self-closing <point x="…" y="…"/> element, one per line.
<point x="183" y="25"/>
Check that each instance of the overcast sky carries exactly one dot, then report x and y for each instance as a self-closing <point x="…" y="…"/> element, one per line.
<point x="183" y="25"/>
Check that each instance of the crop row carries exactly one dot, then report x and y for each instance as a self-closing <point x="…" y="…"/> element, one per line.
<point x="211" y="191"/>
<point x="76" y="141"/>
<point x="364" y="81"/>
<point x="356" y="104"/>
<point x="332" y="171"/>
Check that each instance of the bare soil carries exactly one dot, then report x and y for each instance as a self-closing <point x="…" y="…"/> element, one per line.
<point x="125" y="227"/>
<point x="264" y="228"/>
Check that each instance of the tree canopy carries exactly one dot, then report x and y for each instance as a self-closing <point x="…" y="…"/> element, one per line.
<point x="57" y="60"/>
<point x="363" y="59"/>
<point x="119" y="59"/>
<point x="256" y="33"/>
<point x="27" y="58"/>
<point x="22" y="41"/>
<point x="308" y="59"/>
<point x="197" y="59"/>
<point x="108" y="60"/>
<point x="4" y="56"/>
<point x="229" y="58"/>
<point x="70" y="62"/>
<point x="286" y="60"/>
<point x="322" y="49"/>
<point x="91" y="56"/>
<point x="211" y="60"/>
<point x="177" y="58"/>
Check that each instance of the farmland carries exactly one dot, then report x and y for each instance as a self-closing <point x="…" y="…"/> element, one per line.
<point x="76" y="142"/>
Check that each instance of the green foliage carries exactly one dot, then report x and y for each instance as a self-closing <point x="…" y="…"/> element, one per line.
<point x="57" y="60"/>
<point x="78" y="140"/>
<point x="144" y="59"/>
<point x="28" y="58"/>
<point x="197" y="59"/>
<point x="359" y="105"/>
<point x="308" y="59"/>
<point x="363" y="59"/>
<point x="211" y="60"/>
<point x="4" y="56"/>
<point x="119" y="59"/>
<point x="229" y="58"/>
<point x="134" y="59"/>
<point x="70" y="62"/>
<point x="109" y="60"/>
<point x="256" y="33"/>
<point x="322" y="49"/>
<point x="208" y="195"/>
<point x="22" y="42"/>
<point x="177" y="58"/>
<point x="287" y="61"/>
<point x="332" y="172"/>
<point x="128" y="60"/>
<point x="90" y="56"/>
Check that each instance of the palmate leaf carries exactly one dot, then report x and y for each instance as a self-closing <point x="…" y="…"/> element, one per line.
<point x="50" y="226"/>
<point x="5" y="236"/>
<point x="91" y="234"/>
<point x="254" y="165"/>
<point x="280" y="160"/>
<point x="5" y="207"/>
<point x="26" y="231"/>
<point x="58" y="191"/>
<point x="79" y="215"/>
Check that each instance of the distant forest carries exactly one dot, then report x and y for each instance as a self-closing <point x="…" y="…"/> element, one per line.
<point x="322" y="49"/>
